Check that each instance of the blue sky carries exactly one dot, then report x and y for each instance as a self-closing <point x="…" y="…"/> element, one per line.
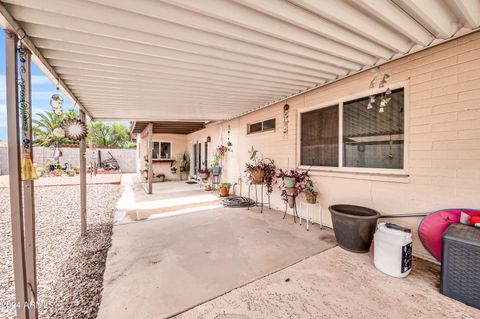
<point x="42" y="90"/>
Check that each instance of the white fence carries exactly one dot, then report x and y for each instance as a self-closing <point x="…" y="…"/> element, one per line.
<point x="125" y="157"/>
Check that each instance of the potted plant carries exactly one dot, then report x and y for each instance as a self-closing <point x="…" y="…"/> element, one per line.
<point x="218" y="158"/>
<point x="310" y="192"/>
<point x="70" y="172"/>
<point x="261" y="170"/>
<point x="215" y="168"/>
<point x="207" y="188"/>
<point x="173" y="169"/>
<point x="57" y="172"/>
<point x="185" y="163"/>
<point x="289" y="189"/>
<point x="204" y="173"/>
<point x="224" y="189"/>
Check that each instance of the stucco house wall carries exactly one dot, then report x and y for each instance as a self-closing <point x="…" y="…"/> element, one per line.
<point x="179" y="146"/>
<point x="442" y="139"/>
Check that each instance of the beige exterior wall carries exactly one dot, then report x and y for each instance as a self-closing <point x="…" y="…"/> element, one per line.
<point x="442" y="93"/>
<point x="179" y="146"/>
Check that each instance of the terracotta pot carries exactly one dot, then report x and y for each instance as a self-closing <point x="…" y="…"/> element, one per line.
<point x="311" y="198"/>
<point x="207" y="188"/>
<point x="223" y="192"/>
<point x="257" y="176"/>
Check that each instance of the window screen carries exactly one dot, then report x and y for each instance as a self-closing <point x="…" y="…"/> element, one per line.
<point x="165" y="150"/>
<point x="255" y="127"/>
<point x="156" y="150"/>
<point x="263" y="126"/>
<point x="319" y="137"/>
<point x="373" y="139"/>
<point x="269" y="125"/>
<point x="162" y="150"/>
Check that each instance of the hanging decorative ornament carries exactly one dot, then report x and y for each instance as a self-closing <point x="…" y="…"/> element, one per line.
<point x="286" y="109"/>
<point x="59" y="132"/>
<point x="74" y="129"/>
<point x="29" y="172"/>
<point x="56" y="102"/>
<point x="384" y="80"/>
<point x="229" y="144"/>
<point x="383" y="99"/>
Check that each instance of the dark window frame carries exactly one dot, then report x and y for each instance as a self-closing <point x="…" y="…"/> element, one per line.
<point x="159" y="157"/>
<point x="340" y="164"/>
<point x="262" y="128"/>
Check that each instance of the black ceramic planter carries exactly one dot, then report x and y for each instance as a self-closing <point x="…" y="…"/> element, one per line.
<point x="354" y="226"/>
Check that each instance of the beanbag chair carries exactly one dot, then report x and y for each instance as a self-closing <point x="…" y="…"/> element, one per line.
<point x="433" y="226"/>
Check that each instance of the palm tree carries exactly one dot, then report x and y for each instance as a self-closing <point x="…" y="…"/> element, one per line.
<point x="44" y="126"/>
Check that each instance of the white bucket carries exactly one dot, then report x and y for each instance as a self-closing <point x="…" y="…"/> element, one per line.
<point x="393" y="250"/>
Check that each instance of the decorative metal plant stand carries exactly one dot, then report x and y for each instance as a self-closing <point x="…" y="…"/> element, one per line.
<point x="215" y="181"/>
<point x="257" y="203"/>
<point x="292" y="196"/>
<point x="308" y="211"/>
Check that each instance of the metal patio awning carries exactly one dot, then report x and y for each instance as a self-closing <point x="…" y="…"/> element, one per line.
<point x="215" y="59"/>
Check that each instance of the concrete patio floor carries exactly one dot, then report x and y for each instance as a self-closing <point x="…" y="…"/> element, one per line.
<point x="175" y="258"/>
<point x="206" y="261"/>
<point x="338" y="284"/>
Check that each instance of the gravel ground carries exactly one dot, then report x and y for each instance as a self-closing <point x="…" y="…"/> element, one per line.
<point x="70" y="268"/>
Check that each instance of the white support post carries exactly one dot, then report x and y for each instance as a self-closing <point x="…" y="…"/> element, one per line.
<point x="149" y="154"/>
<point x="29" y="197"/>
<point x="83" y="181"/>
<point x="16" y="204"/>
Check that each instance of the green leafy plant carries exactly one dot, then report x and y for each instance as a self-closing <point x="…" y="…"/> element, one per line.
<point x="46" y="123"/>
<point x="185" y="163"/>
<point x="224" y="185"/>
<point x="109" y="134"/>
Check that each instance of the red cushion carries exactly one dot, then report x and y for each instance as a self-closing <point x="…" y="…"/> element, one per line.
<point x="474" y="220"/>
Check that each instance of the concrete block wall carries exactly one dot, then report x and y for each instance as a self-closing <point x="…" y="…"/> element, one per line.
<point x="125" y="157"/>
<point x="442" y="140"/>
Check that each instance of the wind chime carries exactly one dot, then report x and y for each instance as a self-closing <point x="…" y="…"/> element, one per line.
<point x="28" y="170"/>
<point x="73" y="129"/>
<point x="229" y="143"/>
<point x="384" y="98"/>
<point x="286" y="109"/>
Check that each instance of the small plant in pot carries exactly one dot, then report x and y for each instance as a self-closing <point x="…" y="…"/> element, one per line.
<point x="224" y="189"/>
<point x="173" y="169"/>
<point x="219" y="156"/>
<point x="293" y="183"/>
<point x="261" y="171"/>
<point x="310" y="192"/>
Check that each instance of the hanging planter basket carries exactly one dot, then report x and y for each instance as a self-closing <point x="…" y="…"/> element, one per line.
<point x="74" y="129"/>
<point x="257" y="176"/>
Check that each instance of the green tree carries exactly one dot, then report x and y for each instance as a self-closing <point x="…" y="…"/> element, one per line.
<point x="43" y="127"/>
<point x="110" y="134"/>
